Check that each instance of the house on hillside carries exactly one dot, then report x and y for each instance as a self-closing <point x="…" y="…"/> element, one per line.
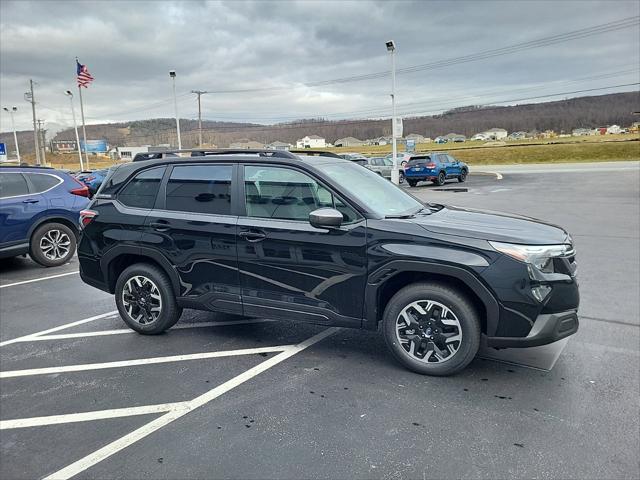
<point x="614" y="130"/>
<point x="455" y="137"/>
<point x="416" y="137"/>
<point x="311" y="141"/>
<point x="246" y="144"/>
<point x="483" y="137"/>
<point x="380" y="141"/>
<point x="580" y="132"/>
<point x="496" y="133"/>
<point x="517" y="135"/>
<point x="279" y="145"/>
<point x="348" y="142"/>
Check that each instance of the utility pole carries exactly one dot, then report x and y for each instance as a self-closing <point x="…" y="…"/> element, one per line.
<point x="13" y="126"/>
<point x="199" y="93"/>
<point x="30" y="97"/>
<point x="395" y="174"/>
<point x="42" y="141"/>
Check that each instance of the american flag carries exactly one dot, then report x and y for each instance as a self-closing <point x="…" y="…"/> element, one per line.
<point x="84" y="77"/>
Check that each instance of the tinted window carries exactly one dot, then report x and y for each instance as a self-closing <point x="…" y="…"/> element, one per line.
<point x="418" y="160"/>
<point x="141" y="192"/>
<point x="43" y="182"/>
<point x="287" y="194"/>
<point x="12" y="184"/>
<point x="200" y="188"/>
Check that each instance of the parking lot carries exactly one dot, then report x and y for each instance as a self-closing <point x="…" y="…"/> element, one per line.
<point x="216" y="396"/>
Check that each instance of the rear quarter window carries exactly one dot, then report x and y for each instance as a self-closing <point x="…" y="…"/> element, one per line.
<point x="43" y="182"/>
<point x="142" y="190"/>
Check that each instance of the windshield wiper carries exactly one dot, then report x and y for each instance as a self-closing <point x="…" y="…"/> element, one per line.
<point x="422" y="211"/>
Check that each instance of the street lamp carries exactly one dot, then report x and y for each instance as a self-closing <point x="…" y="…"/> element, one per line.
<point x="172" y="74"/>
<point x="395" y="177"/>
<point x="75" y="126"/>
<point x="13" y="126"/>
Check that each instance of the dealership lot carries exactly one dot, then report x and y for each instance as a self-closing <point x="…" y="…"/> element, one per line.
<point x="271" y="399"/>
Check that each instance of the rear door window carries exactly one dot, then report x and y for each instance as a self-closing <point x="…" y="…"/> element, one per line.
<point x="42" y="182"/>
<point x="200" y="189"/>
<point x="141" y="192"/>
<point x="418" y="161"/>
<point x="12" y="185"/>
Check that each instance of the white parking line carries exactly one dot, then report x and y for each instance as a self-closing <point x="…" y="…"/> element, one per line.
<point x="89" y="416"/>
<point x="38" y="279"/>
<point x="140" y="433"/>
<point x="119" y="331"/>
<point x="33" y="336"/>
<point x="140" y="361"/>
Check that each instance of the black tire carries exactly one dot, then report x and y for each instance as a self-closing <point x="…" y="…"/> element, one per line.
<point x="452" y="299"/>
<point x="442" y="178"/>
<point x="48" y="243"/>
<point x="400" y="178"/>
<point x="169" y="312"/>
<point x="412" y="183"/>
<point x="463" y="176"/>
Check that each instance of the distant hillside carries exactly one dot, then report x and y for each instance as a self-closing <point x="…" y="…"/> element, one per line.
<point x="563" y="115"/>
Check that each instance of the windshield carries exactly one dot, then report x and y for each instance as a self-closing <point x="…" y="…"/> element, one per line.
<point x="379" y="195"/>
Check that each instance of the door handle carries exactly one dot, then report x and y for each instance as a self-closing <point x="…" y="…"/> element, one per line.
<point x="30" y="200"/>
<point x="160" y="226"/>
<point x="252" y="235"/>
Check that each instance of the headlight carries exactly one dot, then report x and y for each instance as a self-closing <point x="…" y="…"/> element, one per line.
<point x="540" y="256"/>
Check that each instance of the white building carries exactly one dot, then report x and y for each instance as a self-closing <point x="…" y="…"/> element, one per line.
<point x="481" y="136"/>
<point x="246" y="144"/>
<point x="496" y="133"/>
<point x="614" y="130"/>
<point x="127" y="153"/>
<point x="415" y="137"/>
<point x="348" y="142"/>
<point x="311" y="141"/>
<point x="279" y="145"/>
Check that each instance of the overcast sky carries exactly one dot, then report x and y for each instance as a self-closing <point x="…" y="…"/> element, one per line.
<point x="279" y="48"/>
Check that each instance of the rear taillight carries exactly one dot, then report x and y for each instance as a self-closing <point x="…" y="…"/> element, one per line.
<point x="87" y="216"/>
<point x="81" y="189"/>
<point x="430" y="165"/>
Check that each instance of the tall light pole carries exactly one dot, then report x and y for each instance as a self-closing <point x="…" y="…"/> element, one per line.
<point x="75" y="126"/>
<point x="13" y="126"/>
<point x="395" y="176"/>
<point x="172" y="74"/>
<point x="199" y="93"/>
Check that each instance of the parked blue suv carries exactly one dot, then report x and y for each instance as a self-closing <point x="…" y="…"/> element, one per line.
<point x="435" y="167"/>
<point x="39" y="212"/>
<point x="92" y="179"/>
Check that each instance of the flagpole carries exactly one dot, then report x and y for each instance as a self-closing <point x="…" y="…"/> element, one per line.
<point x="84" y="132"/>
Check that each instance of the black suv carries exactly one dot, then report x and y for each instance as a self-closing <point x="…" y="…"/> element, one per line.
<point x="323" y="240"/>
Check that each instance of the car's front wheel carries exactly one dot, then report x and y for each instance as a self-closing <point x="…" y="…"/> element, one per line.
<point x="145" y="299"/>
<point x="52" y="244"/>
<point x="463" y="176"/>
<point x="400" y="178"/>
<point x="431" y="328"/>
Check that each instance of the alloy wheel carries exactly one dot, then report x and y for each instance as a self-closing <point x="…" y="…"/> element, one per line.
<point x="428" y="331"/>
<point x="142" y="300"/>
<point x="55" y="244"/>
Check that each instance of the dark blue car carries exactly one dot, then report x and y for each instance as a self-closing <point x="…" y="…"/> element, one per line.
<point x="92" y="179"/>
<point x="434" y="167"/>
<point x="39" y="213"/>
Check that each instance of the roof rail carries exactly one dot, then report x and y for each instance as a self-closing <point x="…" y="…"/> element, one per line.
<point x="23" y="165"/>
<point x="316" y="153"/>
<point x="205" y="152"/>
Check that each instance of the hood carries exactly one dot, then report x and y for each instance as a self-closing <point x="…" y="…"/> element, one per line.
<point x="495" y="226"/>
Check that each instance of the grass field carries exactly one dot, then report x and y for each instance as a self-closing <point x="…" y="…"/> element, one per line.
<point x="556" y="150"/>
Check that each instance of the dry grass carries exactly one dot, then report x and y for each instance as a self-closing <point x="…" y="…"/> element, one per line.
<point x="557" y="150"/>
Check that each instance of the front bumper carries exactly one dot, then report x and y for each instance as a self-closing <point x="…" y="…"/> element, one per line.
<point x="547" y="328"/>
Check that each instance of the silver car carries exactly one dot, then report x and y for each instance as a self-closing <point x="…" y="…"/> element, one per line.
<point x="380" y="166"/>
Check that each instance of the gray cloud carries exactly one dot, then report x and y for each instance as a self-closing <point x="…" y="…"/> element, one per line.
<point x="130" y="46"/>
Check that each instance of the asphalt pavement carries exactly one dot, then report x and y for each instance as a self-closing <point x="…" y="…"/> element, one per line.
<point x="83" y="397"/>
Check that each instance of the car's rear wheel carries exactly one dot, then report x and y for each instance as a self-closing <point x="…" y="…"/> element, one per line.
<point x="52" y="244"/>
<point x="401" y="178"/>
<point x="463" y="176"/>
<point x="412" y="183"/>
<point x="431" y="329"/>
<point x="441" y="179"/>
<point x="145" y="299"/>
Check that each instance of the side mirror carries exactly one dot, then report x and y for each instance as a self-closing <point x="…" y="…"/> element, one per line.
<point x="325" y="218"/>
